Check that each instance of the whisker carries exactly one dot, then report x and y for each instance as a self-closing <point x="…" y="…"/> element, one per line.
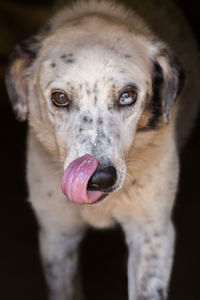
<point x="58" y="172"/>
<point x="134" y="160"/>
<point x="133" y="167"/>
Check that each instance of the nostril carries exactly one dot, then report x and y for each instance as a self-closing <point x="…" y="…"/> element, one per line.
<point x="102" y="178"/>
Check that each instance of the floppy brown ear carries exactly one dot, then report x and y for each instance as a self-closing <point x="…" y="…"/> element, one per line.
<point x="169" y="77"/>
<point x="18" y="73"/>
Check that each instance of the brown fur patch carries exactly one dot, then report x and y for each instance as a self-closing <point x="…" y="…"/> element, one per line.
<point x="144" y="120"/>
<point x="16" y="70"/>
<point x="18" y="65"/>
<point x="16" y="81"/>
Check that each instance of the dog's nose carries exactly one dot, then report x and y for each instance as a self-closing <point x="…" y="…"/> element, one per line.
<point x="102" y="179"/>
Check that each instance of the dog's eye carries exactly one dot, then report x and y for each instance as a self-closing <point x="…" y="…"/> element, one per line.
<point x="127" y="98"/>
<point x="59" y="99"/>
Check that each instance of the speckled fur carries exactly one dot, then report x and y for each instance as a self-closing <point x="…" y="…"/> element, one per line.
<point x="93" y="50"/>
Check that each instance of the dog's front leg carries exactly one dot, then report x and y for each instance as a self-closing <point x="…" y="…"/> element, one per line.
<point x="60" y="257"/>
<point x="150" y="260"/>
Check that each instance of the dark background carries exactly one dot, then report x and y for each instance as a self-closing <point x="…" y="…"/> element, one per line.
<point x="103" y="253"/>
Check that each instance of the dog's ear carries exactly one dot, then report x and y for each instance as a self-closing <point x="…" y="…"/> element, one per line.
<point x="18" y="74"/>
<point x="168" y="79"/>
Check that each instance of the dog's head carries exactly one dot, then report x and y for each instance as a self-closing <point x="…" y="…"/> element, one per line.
<point x="86" y="88"/>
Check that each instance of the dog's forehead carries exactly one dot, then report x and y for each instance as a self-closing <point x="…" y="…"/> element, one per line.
<point x="93" y="53"/>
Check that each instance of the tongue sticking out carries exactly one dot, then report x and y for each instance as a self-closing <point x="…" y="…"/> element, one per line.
<point x="76" y="177"/>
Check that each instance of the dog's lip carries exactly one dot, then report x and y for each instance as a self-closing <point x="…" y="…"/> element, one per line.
<point x="100" y="199"/>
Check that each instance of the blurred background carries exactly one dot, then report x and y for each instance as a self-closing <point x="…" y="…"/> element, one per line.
<point x="103" y="253"/>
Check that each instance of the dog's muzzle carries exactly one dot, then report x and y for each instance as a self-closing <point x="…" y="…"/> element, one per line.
<point x="84" y="183"/>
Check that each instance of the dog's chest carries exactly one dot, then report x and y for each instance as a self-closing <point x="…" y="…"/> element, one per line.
<point x="98" y="216"/>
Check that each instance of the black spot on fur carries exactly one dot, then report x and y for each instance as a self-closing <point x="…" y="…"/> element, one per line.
<point x="161" y="294"/>
<point x="127" y="56"/>
<point x="99" y="121"/>
<point x="50" y="271"/>
<point x="154" y="257"/>
<point x="157" y="234"/>
<point x="70" y="61"/>
<point x="110" y="107"/>
<point x="108" y="140"/>
<point x="87" y="119"/>
<point x="151" y="256"/>
<point x="147" y="241"/>
<point x="63" y="56"/>
<point x="88" y="92"/>
<point x="84" y="140"/>
<point x="53" y="65"/>
<point x="50" y="194"/>
<point x="68" y="58"/>
<point x="102" y="135"/>
<point x="95" y="99"/>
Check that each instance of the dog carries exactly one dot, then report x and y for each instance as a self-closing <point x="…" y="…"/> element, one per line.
<point x="110" y="95"/>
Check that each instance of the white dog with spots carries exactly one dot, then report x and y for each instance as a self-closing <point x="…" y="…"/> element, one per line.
<point x="103" y="93"/>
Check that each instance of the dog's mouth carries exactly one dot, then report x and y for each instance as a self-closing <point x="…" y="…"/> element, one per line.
<point x="76" y="178"/>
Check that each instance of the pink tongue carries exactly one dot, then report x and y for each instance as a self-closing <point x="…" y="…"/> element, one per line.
<point x="76" y="177"/>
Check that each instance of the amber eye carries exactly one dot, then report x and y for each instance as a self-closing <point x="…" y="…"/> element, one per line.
<point x="60" y="99"/>
<point x="127" y="98"/>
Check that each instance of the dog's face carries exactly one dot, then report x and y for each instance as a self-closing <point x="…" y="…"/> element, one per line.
<point x="90" y="88"/>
